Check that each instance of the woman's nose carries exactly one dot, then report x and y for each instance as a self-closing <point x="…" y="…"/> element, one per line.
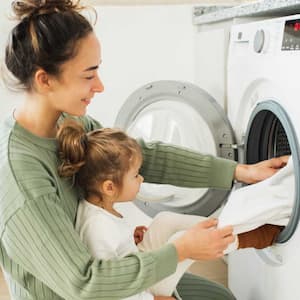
<point x="98" y="86"/>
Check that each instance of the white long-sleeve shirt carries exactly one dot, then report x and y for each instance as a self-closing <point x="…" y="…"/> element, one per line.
<point x="107" y="236"/>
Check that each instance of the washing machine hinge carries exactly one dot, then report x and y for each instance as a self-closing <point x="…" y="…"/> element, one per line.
<point x="237" y="146"/>
<point x="232" y="146"/>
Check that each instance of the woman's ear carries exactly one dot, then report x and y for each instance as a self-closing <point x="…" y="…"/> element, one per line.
<point x="41" y="80"/>
<point x="108" y="188"/>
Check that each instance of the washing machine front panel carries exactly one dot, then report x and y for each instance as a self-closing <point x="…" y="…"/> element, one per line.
<point x="273" y="65"/>
<point x="273" y="129"/>
<point x="262" y="281"/>
<point x="182" y="114"/>
<point x="263" y="70"/>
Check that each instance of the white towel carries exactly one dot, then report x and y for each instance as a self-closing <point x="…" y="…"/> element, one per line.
<point x="267" y="202"/>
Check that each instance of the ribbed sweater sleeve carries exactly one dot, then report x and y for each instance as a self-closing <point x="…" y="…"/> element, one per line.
<point x="165" y="163"/>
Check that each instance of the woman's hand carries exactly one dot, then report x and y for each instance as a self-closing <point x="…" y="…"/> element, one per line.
<point x="204" y="241"/>
<point x="259" y="171"/>
<point x="139" y="233"/>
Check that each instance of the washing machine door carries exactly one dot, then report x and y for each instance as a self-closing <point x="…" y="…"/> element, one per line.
<point x="270" y="133"/>
<point x="185" y="115"/>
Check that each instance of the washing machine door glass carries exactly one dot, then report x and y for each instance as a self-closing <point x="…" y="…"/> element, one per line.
<point x="184" y="115"/>
<point x="179" y="129"/>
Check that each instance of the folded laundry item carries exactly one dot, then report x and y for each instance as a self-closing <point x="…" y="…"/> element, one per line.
<point x="267" y="202"/>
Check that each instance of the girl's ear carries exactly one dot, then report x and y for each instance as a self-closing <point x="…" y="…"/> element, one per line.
<point x="108" y="188"/>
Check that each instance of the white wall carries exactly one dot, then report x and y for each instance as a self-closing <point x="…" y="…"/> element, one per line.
<point x="7" y="100"/>
<point x="140" y="44"/>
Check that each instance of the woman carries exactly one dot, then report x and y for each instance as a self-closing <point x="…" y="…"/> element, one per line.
<point x="54" y="55"/>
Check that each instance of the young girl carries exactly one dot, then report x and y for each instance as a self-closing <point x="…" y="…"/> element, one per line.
<point x="106" y="163"/>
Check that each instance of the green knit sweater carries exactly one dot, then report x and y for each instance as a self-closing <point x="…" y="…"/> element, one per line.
<point x="41" y="254"/>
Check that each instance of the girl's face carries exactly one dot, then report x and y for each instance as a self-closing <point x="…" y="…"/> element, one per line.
<point x="131" y="182"/>
<point x="74" y="89"/>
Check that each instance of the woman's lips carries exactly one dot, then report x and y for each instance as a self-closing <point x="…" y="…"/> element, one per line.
<point x="86" y="101"/>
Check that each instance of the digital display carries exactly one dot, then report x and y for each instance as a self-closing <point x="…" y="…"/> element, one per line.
<point x="296" y="26"/>
<point x="291" y="36"/>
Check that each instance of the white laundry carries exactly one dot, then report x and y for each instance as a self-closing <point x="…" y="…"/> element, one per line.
<point x="267" y="202"/>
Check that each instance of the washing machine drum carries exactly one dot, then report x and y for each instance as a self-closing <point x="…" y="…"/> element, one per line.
<point x="185" y="115"/>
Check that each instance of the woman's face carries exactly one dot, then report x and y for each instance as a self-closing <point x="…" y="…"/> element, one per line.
<point x="78" y="82"/>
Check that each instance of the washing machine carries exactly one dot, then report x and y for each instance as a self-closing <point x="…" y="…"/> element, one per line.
<point x="183" y="114"/>
<point x="262" y="122"/>
<point x="264" y="110"/>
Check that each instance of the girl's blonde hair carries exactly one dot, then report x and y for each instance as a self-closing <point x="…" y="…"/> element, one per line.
<point x="96" y="156"/>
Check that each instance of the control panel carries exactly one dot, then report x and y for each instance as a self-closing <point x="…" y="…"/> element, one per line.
<point x="291" y="35"/>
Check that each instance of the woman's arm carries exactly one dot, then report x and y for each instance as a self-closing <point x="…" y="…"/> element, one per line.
<point x="164" y="163"/>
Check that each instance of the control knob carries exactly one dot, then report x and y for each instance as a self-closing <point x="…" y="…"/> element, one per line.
<point x="259" y="40"/>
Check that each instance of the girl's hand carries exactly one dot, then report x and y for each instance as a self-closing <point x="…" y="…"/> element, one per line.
<point x="139" y="233"/>
<point x="164" y="298"/>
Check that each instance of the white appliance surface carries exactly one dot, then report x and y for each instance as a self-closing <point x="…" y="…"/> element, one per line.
<point x="264" y="65"/>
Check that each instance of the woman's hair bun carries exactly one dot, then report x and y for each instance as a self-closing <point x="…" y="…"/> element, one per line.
<point x="28" y="8"/>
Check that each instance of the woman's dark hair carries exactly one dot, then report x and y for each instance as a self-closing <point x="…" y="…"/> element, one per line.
<point x="45" y="37"/>
<point x="103" y="154"/>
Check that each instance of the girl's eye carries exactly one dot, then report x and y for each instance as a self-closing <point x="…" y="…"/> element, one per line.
<point x="89" y="77"/>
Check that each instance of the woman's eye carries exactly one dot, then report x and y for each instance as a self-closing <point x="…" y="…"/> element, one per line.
<point x="89" y="77"/>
